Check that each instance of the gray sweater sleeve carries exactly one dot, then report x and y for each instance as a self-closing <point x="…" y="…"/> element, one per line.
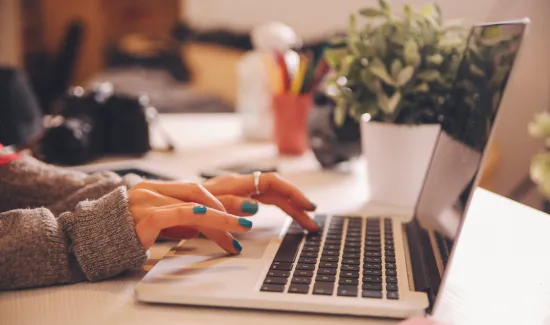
<point x="86" y="233"/>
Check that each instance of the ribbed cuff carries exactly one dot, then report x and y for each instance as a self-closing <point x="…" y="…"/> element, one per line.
<point x="103" y="237"/>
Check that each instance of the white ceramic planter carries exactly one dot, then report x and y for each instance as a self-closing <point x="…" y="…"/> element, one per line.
<point x="397" y="158"/>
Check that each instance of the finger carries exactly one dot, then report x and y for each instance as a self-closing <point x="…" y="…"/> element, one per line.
<point x="238" y="205"/>
<point x="243" y="185"/>
<point x="189" y="215"/>
<point x="295" y="212"/>
<point x="189" y="192"/>
<point x="224" y="239"/>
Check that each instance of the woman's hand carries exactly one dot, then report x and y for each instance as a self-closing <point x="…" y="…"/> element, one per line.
<point x="237" y="194"/>
<point x="182" y="210"/>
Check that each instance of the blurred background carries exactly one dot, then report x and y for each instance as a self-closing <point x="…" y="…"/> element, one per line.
<point x="185" y="54"/>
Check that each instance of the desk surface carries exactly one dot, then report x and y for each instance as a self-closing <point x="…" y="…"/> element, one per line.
<point x="213" y="140"/>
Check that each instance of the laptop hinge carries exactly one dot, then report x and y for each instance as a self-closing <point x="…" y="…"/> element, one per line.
<point x="420" y="259"/>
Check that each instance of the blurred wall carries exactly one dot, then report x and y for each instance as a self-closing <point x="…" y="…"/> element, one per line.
<point x="10" y="32"/>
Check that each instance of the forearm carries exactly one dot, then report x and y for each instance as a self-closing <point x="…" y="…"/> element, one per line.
<point x="95" y="241"/>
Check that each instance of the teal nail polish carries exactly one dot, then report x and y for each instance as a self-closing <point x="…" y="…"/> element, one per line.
<point x="199" y="209"/>
<point x="313" y="206"/>
<point x="249" y="207"/>
<point x="237" y="245"/>
<point x="245" y="223"/>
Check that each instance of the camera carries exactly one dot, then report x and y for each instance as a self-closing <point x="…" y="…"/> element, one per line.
<point x="94" y="123"/>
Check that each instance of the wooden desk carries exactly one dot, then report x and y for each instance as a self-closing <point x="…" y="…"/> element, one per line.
<point x="210" y="140"/>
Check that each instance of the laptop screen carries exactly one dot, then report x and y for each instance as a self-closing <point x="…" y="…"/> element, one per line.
<point x="468" y="120"/>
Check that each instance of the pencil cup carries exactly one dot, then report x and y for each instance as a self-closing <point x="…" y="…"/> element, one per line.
<point x="290" y="117"/>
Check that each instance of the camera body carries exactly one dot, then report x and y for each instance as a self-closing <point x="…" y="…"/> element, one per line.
<point x="91" y="124"/>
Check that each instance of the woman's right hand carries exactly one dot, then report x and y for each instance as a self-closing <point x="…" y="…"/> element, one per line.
<point x="187" y="208"/>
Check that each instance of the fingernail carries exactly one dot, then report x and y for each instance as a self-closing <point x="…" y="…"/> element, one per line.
<point x="249" y="207"/>
<point x="237" y="245"/>
<point x="313" y="206"/>
<point x="245" y="223"/>
<point x="199" y="209"/>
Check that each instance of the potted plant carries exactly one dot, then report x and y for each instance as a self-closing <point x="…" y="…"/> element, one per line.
<point x="393" y="76"/>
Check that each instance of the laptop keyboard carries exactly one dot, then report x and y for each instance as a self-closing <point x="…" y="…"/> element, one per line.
<point x="445" y="245"/>
<point x="350" y="257"/>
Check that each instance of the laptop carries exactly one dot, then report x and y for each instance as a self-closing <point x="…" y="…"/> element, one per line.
<point x="364" y="265"/>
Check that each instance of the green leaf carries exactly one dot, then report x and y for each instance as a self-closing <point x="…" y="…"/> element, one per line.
<point x="370" y="81"/>
<point x="428" y="11"/>
<point x="394" y="102"/>
<point x="340" y="112"/>
<point x="352" y="27"/>
<point x="383" y="102"/>
<point x="436" y="59"/>
<point x="396" y="67"/>
<point x="411" y="54"/>
<point x="407" y="10"/>
<point x="439" y="14"/>
<point x="405" y="76"/>
<point x="385" y="6"/>
<point x="428" y="75"/>
<point x="371" y="12"/>
<point x="476" y="70"/>
<point x="378" y="69"/>
<point x="334" y="57"/>
<point x="422" y="88"/>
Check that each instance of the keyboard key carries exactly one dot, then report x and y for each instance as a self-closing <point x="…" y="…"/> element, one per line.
<point x="391" y="272"/>
<point x="345" y="267"/>
<point x="352" y="245"/>
<point x="391" y="279"/>
<point x="314" y="237"/>
<point x="390" y="253"/>
<point x="289" y="248"/>
<point x="281" y="266"/>
<point x="325" y="278"/>
<point x="388" y="242"/>
<point x="349" y="281"/>
<point x="298" y="288"/>
<point x="323" y="288"/>
<point x="273" y="288"/>
<point x="307" y="260"/>
<point x="372" y="272"/>
<point x="390" y="259"/>
<point x="325" y="258"/>
<point x="392" y="295"/>
<point x="323" y="271"/>
<point x="373" y="254"/>
<point x="372" y="286"/>
<point x="352" y="255"/>
<point x="353" y="239"/>
<point x="312" y="244"/>
<point x="329" y="265"/>
<point x="278" y="273"/>
<point x="372" y="294"/>
<point x="372" y="243"/>
<point x="347" y="291"/>
<point x="349" y="274"/>
<point x="275" y="280"/>
<point x="391" y="287"/>
<point x="351" y="261"/>
<point x="375" y="266"/>
<point x="352" y="250"/>
<point x="331" y="253"/>
<point x="333" y="242"/>
<point x="308" y="267"/>
<point x="309" y="254"/>
<point x="372" y="279"/>
<point x="334" y="237"/>
<point x="303" y="273"/>
<point x="301" y="280"/>
<point x="373" y="249"/>
<point x="389" y="247"/>
<point x="310" y="249"/>
<point x="332" y="247"/>
<point x="390" y="266"/>
<point x="373" y="259"/>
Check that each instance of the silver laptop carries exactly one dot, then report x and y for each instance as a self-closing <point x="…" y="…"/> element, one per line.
<point x="359" y="265"/>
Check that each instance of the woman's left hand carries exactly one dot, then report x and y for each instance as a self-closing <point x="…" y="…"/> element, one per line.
<point x="237" y="193"/>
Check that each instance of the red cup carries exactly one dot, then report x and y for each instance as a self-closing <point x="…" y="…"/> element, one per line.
<point x="290" y="120"/>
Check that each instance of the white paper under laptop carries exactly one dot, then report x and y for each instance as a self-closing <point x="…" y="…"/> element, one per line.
<point x="359" y="265"/>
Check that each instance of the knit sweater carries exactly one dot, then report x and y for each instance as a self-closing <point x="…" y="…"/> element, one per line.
<point x="59" y="226"/>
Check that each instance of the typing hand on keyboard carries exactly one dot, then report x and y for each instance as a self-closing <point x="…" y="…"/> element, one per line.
<point x="236" y="192"/>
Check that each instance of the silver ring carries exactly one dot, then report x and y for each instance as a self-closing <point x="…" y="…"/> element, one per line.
<point x="257" y="175"/>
